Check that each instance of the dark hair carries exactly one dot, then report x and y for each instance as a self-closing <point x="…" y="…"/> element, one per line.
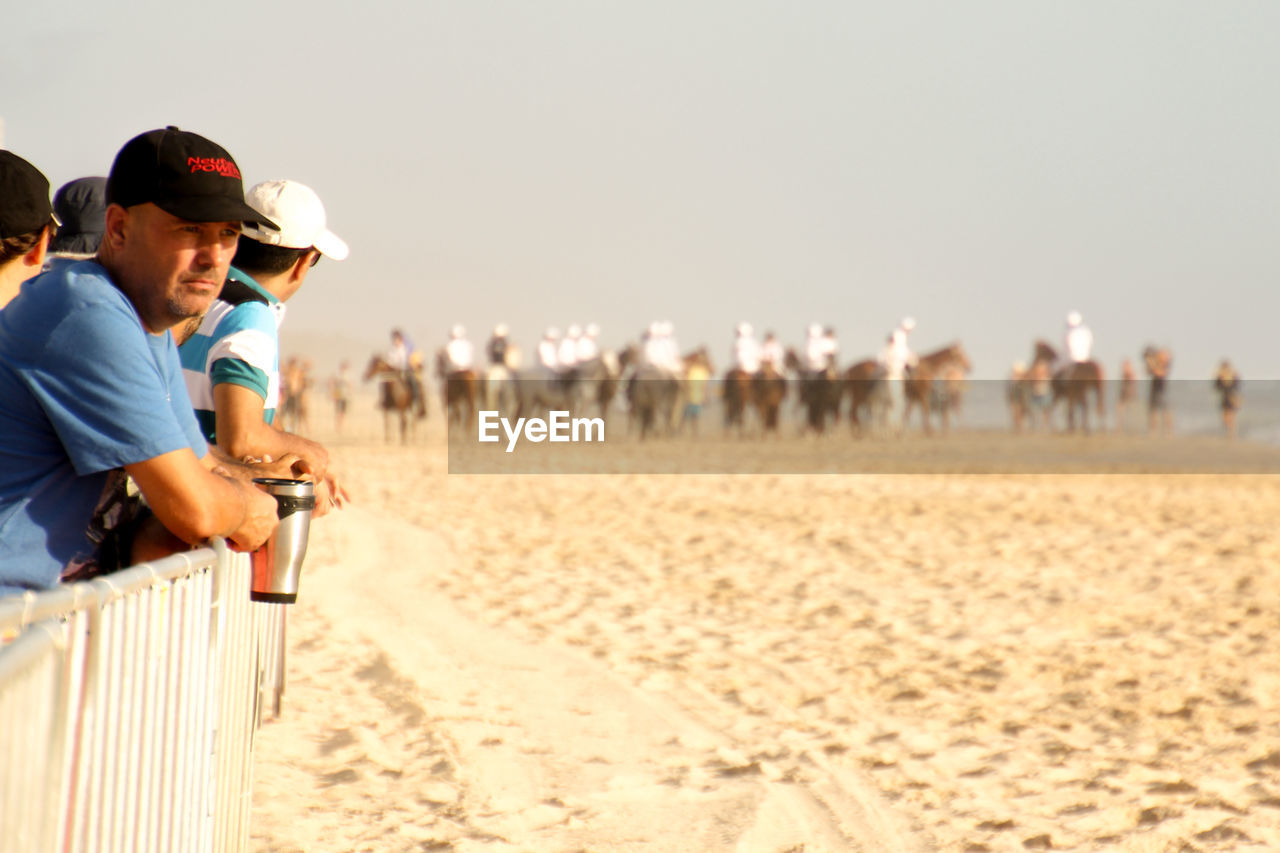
<point x="12" y="248"/>
<point x="254" y="257"/>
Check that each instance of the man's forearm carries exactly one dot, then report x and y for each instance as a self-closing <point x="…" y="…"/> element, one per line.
<point x="260" y="440"/>
<point x="220" y="461"/>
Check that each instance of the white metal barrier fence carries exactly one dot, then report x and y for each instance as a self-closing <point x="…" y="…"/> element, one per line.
<point x="128" y="706"/>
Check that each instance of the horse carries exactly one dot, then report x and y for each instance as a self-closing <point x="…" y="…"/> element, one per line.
<point x="919" y="382"/>
<point x="819" y="392"/>
<point x="460" y="389"/>
<point x="864" y="383"/>
<point x="495" y="388"/>
<point x="596" y="381"/>
<point x="538" y="391"/>
<point x="769" y="390"/>
<point x="946" y="397"/>
<point x="1072" y="383"/>
<point x="395" y="396"/>
<point x="652" y="394"/>
<point x="739" y="393"/>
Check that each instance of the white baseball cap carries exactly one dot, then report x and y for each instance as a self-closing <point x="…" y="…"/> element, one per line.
<point x="297" y="210"/>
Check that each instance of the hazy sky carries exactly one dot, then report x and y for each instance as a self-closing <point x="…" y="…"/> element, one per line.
<point x="983" y="166"/>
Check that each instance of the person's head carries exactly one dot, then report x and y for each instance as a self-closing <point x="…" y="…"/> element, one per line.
<point x="575" y="331"/>
<point x="457" y="333"/>
<point x="280" y="259"/>
<point x="175" y="207"/>
<point x="27" y="222"/>
<point x="500" y="330"/>
<point x="397" y="337"/>
<point x="815" y="330"/>
<point x="744" y="330"/>
<point x="81" y="206"/>
<point x="908" y="323"/>
<point x="1074" y="319"/>
<point x="593" y="330"/>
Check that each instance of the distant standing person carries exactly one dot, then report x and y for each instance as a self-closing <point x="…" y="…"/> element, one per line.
<point x="1227" y="384"/>
<point x="1158" y="363"/>
<point x="695" y="390"/>
<point x="27" y="223"/>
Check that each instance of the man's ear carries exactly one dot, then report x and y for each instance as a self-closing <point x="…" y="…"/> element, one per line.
<point x="35" y="258"/>
<point x="302" y="266"/>
<point x="117" y="220"/>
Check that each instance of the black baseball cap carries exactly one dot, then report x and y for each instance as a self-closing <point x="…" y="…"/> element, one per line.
<point x="24" y="197"/>
<point x="182" y="173"/>
<point x="81" y="208"/>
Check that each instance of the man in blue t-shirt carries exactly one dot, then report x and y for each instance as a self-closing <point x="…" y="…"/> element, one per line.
<point x="91" y="385"/>
<point x="231" y="363"/>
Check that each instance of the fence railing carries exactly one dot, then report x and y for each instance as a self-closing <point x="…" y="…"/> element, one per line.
<point x="128" y="706"/>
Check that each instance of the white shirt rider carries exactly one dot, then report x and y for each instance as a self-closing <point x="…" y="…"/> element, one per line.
<point x="588" y="349"/>
<point x="1079" y="340"/>
<point x="548" y="350"/>
<point x="817" y="351"/>
<point x="772" y="353"/>
<point x="459" y="352"/>
<point x="567" y="354"/>
<point x="398" y="355"/>
<point x="746" y="351"/>
<point x="896" y="356"/>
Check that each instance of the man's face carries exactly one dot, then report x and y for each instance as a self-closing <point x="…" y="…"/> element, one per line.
<point x="170" y="268"/>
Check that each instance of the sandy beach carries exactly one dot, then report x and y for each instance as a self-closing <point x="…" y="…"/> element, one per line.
<point x="768" y="662"/>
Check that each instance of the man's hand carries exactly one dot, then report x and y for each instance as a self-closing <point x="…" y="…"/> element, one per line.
<point x="329" y="494"/>
<point x="260" y="517"/>
<point x="247" y="468"/>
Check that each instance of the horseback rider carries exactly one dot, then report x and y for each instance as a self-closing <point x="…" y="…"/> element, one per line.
<point x="496" y="349"/>
<point x="833" y="348"/>
<point x="746" y="350"/>
<point x="459" y="354"/>
<point x="1078" y="340"/>
<point x="772" y="353"/>
<point x="819" y="351"/>
<point x="588" y="348"/>
<point x="401" y="358"/>
<point x="548" y="351"/>
<point x="897" y="359"/>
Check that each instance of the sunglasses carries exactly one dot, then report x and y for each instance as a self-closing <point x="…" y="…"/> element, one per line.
<point x="315" y="258"/>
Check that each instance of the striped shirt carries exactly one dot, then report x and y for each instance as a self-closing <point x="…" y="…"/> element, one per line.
<point x="238" y="342"/>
